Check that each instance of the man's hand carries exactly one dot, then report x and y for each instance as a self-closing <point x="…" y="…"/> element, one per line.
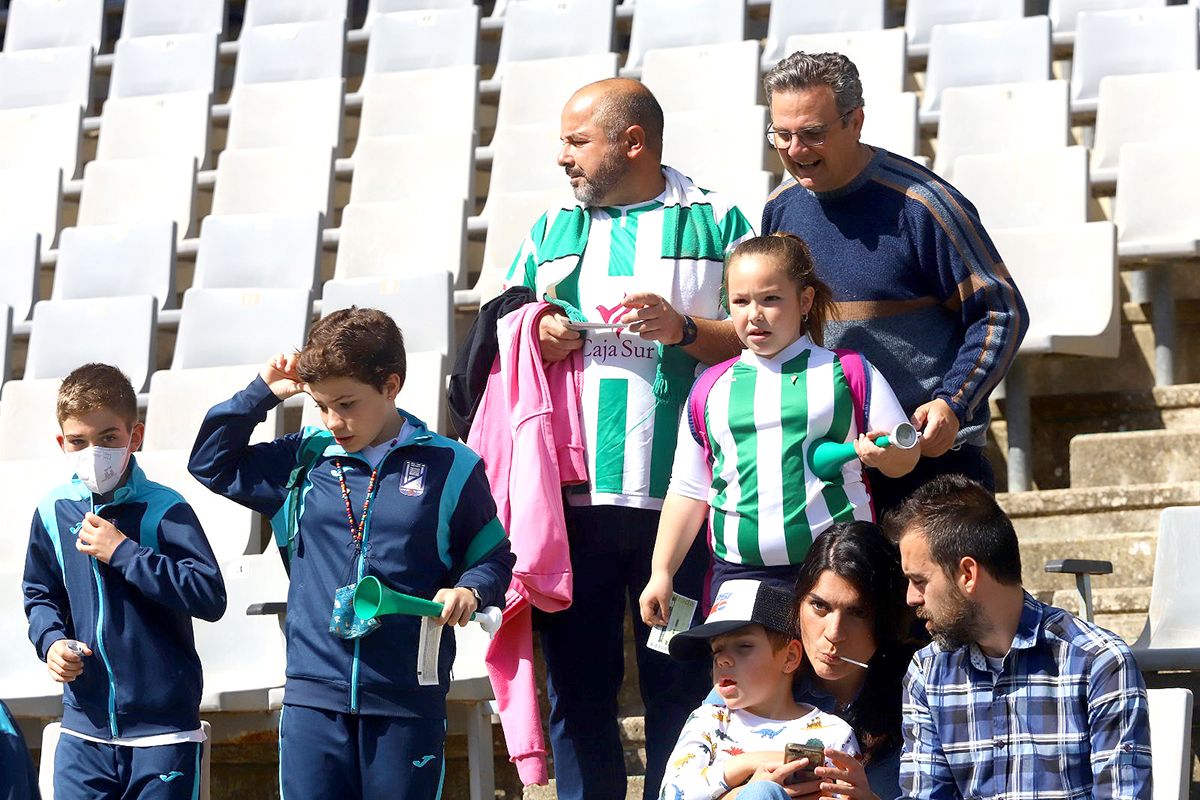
<point x="64" y="664"/>
<point x="938" y="425"/>
<point x="459" y="604"/>
<point x="652" y="318"/>
<point x="281" y="376"/>
<point x="98" y="538"/>
<point x="556" y="339"/>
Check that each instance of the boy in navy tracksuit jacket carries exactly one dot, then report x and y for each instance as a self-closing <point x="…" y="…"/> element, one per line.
<point x="117" y="567"/>
<point x="18" y="780"/>
<point x="375" y="494"/>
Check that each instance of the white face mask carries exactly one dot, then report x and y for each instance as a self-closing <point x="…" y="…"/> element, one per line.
<point x="100" y="468"/>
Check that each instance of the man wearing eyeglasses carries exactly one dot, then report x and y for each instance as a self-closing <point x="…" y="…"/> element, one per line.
<point x="918" y="286"/>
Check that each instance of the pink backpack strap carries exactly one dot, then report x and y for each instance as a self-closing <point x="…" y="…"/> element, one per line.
<point x="698" y="398"/>
<point x="854" y="367"/>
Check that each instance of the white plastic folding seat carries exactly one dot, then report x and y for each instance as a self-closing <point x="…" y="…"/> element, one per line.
<point x="890" y="122"/>
<point x="880" y="56"/>
<point x="274" y="180"/>
<point x="433" y="39"/>
<point x="30" y="203"/>
<point x="681" y="23"/>
<point x="298" y="51"/>
<point x="703" y="77"/>
<point x="37" y="24"/>
<point x="129" y="191"/>
<point x="1019" y="190"/>
<point x="1052" y="264"/>
<point x="1121" y="115"/>
<point x="6" y="330"/>
<point x="390" y="169"/>
<point x="156" y="18"/>
<point x="526" y="159"/>
<point x="117" y="260"/>
<point x="1128" y="43"/>
<point x="1171" y="638"/>
<point x="538" y="29"/>
<point x="421" y="303"/>
<point x="536" y="91"/>
<point x="259" y="251"/>
<point x="46" y="135"/>
<point x="220" y="327"/>
<point x="244" y="677"/>
<point x="392" y="240"/>
<point x="748" y="189"/>
<point x="156" y="126"/>
<point x="512" y="216"/>
<point x="1001" y="119"/>
<point x="28" y="689"/>
<point x="801" y="17"/>
<point x="284" y="12"/>
<point x="1064" y="14"/>
<point x="423" y="394"/>
<point x="1157" y="209"/>
<point x="19" y="264"/>
<point x="180" y="398"/>
<point x="62" y="75"/>
<point x="375" y="8"/>
<point x="151" y="65"/>
<point x="696" y="142"/>
<point x="28" y="427"/>
<point x="921" y="15"/>
<point x="112" y="330"/>
<point x="1171" y="742"/>
<point x="419" y="101"/>
<point x="287" y="114"/>
<point x="985" y="53"/>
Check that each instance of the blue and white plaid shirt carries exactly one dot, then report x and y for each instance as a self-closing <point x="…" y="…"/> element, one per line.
<point x="1066" y="717"/>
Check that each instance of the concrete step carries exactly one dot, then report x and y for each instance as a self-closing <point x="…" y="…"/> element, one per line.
<point x="633" y="790"/>
<point x="1131" y="554"/>
<point x="1157" y="456"/>
<point x="1083" y="513"/>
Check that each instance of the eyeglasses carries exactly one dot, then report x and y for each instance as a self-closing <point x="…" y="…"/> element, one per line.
<point x="809" y="137"/>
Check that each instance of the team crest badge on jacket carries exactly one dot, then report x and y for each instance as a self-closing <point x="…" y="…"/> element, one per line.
<point x="412" y="479"/>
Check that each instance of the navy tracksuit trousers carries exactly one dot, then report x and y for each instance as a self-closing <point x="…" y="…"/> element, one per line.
<point x="86" y="770"/>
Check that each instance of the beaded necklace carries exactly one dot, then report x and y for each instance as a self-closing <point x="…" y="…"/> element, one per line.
<point x="356" y="529"/>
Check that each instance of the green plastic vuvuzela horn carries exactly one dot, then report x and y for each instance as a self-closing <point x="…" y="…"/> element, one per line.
<point x="373" y="599"/>
<point x="826" y="458"/>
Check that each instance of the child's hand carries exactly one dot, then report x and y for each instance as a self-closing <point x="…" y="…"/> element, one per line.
<point x="655" y="601"/>
<point x="459" y="605"/>
<point x="98" y="537"/>
<point x="64" y="664"/>
<point x="891" y="461"/>
<point x="281" y="376"/>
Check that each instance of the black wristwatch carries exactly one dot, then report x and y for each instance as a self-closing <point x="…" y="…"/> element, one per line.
<point x="689" y="332"/>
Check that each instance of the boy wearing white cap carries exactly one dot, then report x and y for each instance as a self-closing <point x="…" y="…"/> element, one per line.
<point x="737" y="749"/>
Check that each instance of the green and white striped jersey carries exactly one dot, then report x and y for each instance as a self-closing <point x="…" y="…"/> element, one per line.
<point x="674" y="250"/>
<point x="762" y="416"/>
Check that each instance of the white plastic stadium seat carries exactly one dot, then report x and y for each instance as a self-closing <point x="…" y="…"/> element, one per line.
<point x="801" y="17"/>
<point x="419" y="101"/>
<point x="1076" y="261"/>
<point x="294" y="52"/>
<point x="434" y="39"/>
<point x="539" y="29"/>
<point x="1130" y="42"/>
<point x="155" y="18"/>
<point x="153" y="65"/>
<point x="28" y="427"/>
<point x="274" y="180"/>
<point x="681" y="23"/>
<point x="1036" y="187"/>
<point x="259" y="251"/>
<point x="985" y="53"/>
<point x="220" y="327"/>
<point x="179" y="400"/>
<point x="129" y="191"/>
<point x="880" y="56"/>
<point x="377" y="7"/>
<point x="921" y="15"/>
<point x="29" y="691"/>
<point x="1171" y="638"/>
<point x="113" y="330"/>
<point x="117" y="260"/>
<point x="37" y="24"/>
<point x="1121" y="116"/>
<point x="156" y="126"/>
<point x="512" y="217"/>
<point x="526" y="159"/>
<point x="428" y="325"/>
<point x="1155" y="210"/>
<point x="1001" y="119"/>
<point x="890" y="122"/>
<point x="748" y="190"/>
<point x="431" y="164"/>
<point x="697" y="143"/>
<point x="46" y="135"/>
<point x="287" y="114"/>
<point x="282" y="12"/>
<point x="536" y="91"/>
<point x="6" y="330"/>
<point x="30" y="203"/>
<point x="423" y="394"/>
<point x="19" y="264"/>
<point x="696" y="78"/>
<point x="391" y="240"/>
<point x="1064" y="14"/>
<point x="1171" y="742"/>
<point x="62" y="75"/>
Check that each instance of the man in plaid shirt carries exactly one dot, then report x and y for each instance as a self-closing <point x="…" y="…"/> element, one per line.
<point x="1014" y="699"/>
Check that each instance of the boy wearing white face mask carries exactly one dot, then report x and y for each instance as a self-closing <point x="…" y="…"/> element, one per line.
<point x="117" y="567"/>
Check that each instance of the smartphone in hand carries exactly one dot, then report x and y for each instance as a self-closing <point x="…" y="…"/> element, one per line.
<point x="815" y="754"/>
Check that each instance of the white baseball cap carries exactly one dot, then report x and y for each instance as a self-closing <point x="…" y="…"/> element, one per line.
<point x="738" y="603"/>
